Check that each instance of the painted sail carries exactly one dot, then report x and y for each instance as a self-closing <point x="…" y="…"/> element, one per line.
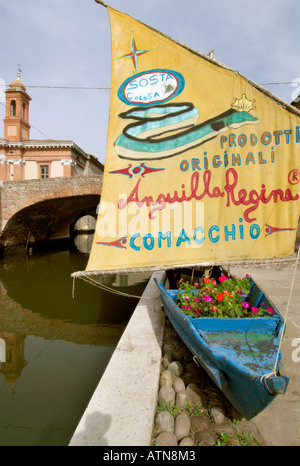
<point x="202" y="166"/>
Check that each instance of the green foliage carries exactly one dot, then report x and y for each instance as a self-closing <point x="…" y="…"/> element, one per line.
<point x="224" y="440"/>
<point x="244" y="441"/>
<point x="193" y="410"/>
<point x="228" y="298"/>
<point x="164" y="406"/>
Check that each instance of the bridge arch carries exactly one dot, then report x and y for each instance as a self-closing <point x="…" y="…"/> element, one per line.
<point x="90" y="222"/>
<point x="46" y="210"/>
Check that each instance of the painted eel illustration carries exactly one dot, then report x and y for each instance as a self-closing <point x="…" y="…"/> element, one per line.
<point x="167" y="130"/>
<point x="270" y="230"/>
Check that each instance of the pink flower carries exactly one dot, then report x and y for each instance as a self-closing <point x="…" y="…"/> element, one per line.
<point x="207" y="298"/>
<point x="197" y="300"/>
<point x="181" y="280"/>
<point x="196" y="285"/>
<point x="270" y="310"/>
<point x="245" y="305"/>
<point x="186" y="298"/>
<point x="254" y="309"/>
<point x="183" y="307"/>
<point x="222" y="278"/>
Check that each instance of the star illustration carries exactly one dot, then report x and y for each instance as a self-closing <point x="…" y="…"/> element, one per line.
<point x="134" y="54"/>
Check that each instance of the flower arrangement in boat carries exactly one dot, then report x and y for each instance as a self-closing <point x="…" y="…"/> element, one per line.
<point x="225" y="297"/>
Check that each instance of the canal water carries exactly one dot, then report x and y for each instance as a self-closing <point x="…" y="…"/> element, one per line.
<point x="54" y="348"/>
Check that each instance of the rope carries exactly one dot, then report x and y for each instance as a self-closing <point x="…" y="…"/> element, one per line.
<point x="287" y="309"/>
<point x="274" y="372"/>
<point x="269" y="261"/>
<point x="90" y="280"/>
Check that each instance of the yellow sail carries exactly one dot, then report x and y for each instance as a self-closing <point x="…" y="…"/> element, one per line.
<point x="202" y="166"/>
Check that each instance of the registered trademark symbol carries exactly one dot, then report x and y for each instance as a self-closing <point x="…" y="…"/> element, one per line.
<point x="294" y="176"/>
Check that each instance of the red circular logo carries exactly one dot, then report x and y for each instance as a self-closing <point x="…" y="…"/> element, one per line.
<point x="294" y="176"/>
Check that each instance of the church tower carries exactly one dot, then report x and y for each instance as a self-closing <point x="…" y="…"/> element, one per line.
<point x="16" y="121"/>
<point x="22" y="158"/>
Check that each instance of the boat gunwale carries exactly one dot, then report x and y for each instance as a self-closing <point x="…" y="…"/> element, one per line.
<point x="274" y="328"/>
<point x="172" y="295"/>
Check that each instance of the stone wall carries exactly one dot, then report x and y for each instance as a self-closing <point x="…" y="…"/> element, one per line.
<point x="39" y="205"/>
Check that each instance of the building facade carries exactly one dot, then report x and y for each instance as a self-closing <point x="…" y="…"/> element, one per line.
<point x="296" y="102"/>
<point x="22" y="158"/>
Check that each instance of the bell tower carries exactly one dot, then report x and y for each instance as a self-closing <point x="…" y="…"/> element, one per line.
<point x="16" y="121"/>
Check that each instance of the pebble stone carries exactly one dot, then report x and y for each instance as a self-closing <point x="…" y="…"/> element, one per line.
<point x="167" y="395"/>
<point x="182" y="426"/>
<point x="194" y="394"/>
<point x="166" y="439"/>
<point x="178" y="384"/>
<point x="200" y="423"/>
<point x="164" y="421"/>
<point x="181" y="399"/>
<point x="205" y="439"/>
<point x="167" y="359"/>
<point x="218" y="414"/>
<point x="166" y="378"/>
<point x="186" y="442"/>
<point x="176" y="367"/>
<point x="195" y="415"/>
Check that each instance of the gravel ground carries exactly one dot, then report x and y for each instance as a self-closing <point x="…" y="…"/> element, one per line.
<point x="191" y="410"/>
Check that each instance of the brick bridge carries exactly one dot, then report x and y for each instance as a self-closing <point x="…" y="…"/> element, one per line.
<point x="46" y="208"/>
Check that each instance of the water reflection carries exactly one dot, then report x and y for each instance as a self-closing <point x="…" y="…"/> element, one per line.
<point x="54" y="348"/>
<point x="12" y="356"/>
<point x="83" y="243"/>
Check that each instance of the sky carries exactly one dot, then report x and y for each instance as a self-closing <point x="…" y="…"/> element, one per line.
<point x="62" y="44"/>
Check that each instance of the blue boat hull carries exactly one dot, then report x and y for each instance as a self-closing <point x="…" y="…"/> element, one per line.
<point x="238" y="354"/>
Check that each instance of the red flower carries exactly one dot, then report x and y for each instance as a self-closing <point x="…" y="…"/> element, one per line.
<point x="220" y="297"/>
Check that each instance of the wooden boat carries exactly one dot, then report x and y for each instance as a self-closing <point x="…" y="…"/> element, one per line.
<point x="238" y="354"/>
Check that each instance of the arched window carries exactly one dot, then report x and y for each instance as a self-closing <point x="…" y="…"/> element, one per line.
<point x="23" y="110"/>
<point x="13" y="108"/>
